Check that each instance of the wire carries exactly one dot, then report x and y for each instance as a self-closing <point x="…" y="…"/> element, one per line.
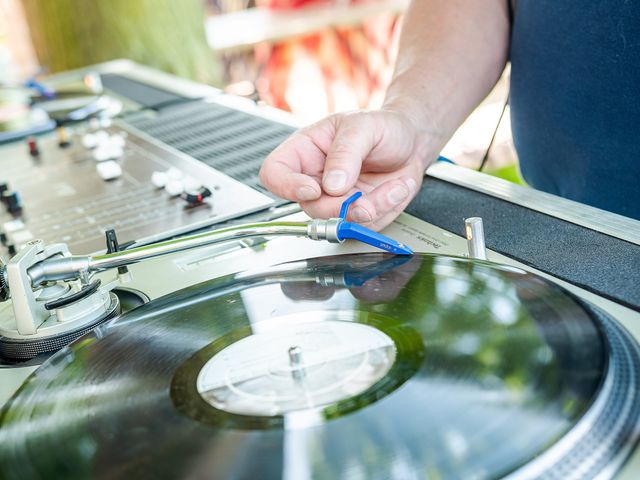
<point x="445" y="160"/>
<point x="483" y="163"/>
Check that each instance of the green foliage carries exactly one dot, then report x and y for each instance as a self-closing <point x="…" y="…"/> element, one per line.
<point x="165" y="34"/>
<point x="510" y="173"/>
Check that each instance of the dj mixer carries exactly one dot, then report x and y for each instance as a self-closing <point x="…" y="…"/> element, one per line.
<point x="140" y="176"/>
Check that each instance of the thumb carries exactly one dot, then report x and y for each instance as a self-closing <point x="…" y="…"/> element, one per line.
<point x="352" y="143"/>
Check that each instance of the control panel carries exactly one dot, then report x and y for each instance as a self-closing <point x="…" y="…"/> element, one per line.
<point x="74" y="185"/>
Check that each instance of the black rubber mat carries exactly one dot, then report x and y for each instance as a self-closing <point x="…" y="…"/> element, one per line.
<point x="589" y="259"/>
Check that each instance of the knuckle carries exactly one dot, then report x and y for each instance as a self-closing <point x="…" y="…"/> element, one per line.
<point x="306" y="132"/>
<point x="359" y="122"/>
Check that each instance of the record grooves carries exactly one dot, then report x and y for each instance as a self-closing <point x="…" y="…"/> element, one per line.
<point x="350" y="366"/>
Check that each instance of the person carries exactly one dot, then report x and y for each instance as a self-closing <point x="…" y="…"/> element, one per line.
<point x="575" y="108"/>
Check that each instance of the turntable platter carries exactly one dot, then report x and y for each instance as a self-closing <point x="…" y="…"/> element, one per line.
<point x="356" y="366"/>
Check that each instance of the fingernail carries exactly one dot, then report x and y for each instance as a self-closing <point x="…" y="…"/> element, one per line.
<point x="335" y="180"/>
<point x="306" y="193"/>
<point x="360" y="215"/>
<point x="397" y="195"/>
<point x="411" y="185"/>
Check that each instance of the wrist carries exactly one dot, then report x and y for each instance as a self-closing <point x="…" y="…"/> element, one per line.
<point x="429" y="138"/>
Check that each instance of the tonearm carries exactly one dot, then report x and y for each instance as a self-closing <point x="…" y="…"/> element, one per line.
<point x="52" y="297"/>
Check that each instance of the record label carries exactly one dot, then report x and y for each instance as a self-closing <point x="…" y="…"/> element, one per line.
<point x="296" y="366"/>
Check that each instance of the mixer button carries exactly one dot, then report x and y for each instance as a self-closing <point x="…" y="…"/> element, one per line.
<point x="32" y="144"/>
<point x="12" y="201"/>
<point x="109" y="170"/>
<point x="19" y="238"/>
<point x="174" y="174"/>
<point x="63" y="138"/>
<point x="117" y="140"/>
<point x="102" y="137"/>
<point x="89" y="141"/>
<point x="196" y="197"/>
<point x="159" y="179"/>
<point x="107" y="152"/>
<point x="174" y="187"/>
<point x="12" y="226"/>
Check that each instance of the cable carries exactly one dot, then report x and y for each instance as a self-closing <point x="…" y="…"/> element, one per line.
<point x="483" y="163"/>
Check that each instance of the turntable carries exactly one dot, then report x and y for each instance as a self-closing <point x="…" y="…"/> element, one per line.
<point x="258" y="351"/>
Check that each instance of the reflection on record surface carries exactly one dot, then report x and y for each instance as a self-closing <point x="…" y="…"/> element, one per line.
<point x="358" y="366"/>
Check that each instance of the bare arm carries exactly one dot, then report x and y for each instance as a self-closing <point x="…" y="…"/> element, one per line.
<point x="451" y="54"/>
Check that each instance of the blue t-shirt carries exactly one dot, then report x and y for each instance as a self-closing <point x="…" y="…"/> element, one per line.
<point x="575" y="99"/>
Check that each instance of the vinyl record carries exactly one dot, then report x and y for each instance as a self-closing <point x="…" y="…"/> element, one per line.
<point x="359" y="366"/>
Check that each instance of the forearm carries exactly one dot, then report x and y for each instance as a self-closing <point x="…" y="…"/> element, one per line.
<point x="452" y="52"/>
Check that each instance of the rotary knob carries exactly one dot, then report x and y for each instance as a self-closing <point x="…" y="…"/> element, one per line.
<point x="32" y="144"/>
<point x="12" y="201"/>
<point x="196" y="197"/>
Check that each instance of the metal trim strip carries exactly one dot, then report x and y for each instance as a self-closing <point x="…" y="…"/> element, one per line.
<point x="593" y="218"/>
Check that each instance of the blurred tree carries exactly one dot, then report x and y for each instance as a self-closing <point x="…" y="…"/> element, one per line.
<point x="165" y="34"/>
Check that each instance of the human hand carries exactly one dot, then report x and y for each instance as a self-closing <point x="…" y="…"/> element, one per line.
<point x="380" y="153"/>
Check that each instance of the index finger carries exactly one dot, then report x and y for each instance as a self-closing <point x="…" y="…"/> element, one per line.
<point x="293" y="170"/>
